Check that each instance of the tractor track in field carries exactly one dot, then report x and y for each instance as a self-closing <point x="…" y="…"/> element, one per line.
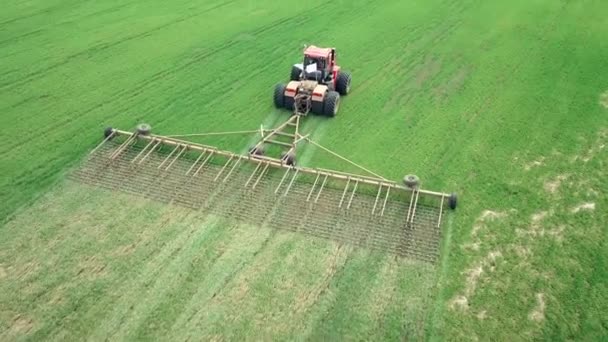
<point x="107" y="45"/>
<point x="150" y="82"/>
<point x="301" y="211"/>
<point x="37" y="13"/>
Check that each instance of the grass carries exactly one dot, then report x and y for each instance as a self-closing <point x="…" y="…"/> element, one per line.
<point x="500" y="102"/>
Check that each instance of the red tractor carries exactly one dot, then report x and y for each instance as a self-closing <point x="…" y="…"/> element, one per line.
<point x="316" y="84"/>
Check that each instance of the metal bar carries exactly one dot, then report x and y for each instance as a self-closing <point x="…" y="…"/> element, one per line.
<point x="195" y="162"/>
<point x="203" y="164"/>
<point x="344" y="193"/>
<point x="103" y="142"/>
<point x="177" y="157"/>
<point x="407" y="219"/>
<point x="415" y="206"/>
<point x="344" y="159"/>
<point x="314" y="185"/>
<point x="210" y="133"/>
<point x="440" y="212"/>
<point x="270" y="141"/>
<point x="158" y="143"/>
<point x="232" y="169"/>
<point x="350" y="201"/>
<point x="346" y="174"/>
<point x="223" y="168"/>
<point x="291" y="183"/>
<point x="169" y="156"/>
<point x="142" y="151"/>
<point x="282" y="180"/>
<point x="261" y="175"/>
<point x="253" y="174"/>
<point x="376" y="201"/>
<point x="285" y="134"/>
<point x="123" y="146"/>
<point x="279" y="128"/>
<point x="322" y="186"/>
<point x="388" y="191"/>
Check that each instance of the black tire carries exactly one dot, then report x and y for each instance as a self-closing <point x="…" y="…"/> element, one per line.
<point x="331" y="104"/>
<point x="279" y="96"/>
<point x="257" y="151"/>
<point x="289" y="103"/>
<point x="289" y="158"/>
<point x="144" y="129"/>
<point x="453" y="201"/>
<point x="317" y="107"/>
<point x="411" y="181"/>
<point x="107" y="132"/>
<point x="343" y="82"/>
<point x="295" y="73"/>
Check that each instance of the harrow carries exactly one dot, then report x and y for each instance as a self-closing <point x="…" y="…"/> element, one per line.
<point x="266" y="186"/>
<point x="259" y="188"/>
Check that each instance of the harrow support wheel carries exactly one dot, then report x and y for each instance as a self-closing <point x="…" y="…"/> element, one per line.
<point x="331" y="104"/>
<point x="453" y="201"/>
<point x="343" y="82"/>
<point x="257" y="151"/>
<point x="144" y="129"/>
<point x="107" y="132"/>
<point x="411" y="181"/>
<point x="279" y="96"/>
<point x="289" y="158"/>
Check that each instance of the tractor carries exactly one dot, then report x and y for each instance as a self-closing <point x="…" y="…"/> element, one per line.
<point x="315" y="85"/>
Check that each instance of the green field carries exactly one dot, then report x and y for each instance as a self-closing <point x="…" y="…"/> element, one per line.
<point x="503" y="102"/>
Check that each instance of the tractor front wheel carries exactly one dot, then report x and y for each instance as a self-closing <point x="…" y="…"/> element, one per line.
<point x="279" y="96"/>
<point x="331" y="103"/>
<point x="295" y="73"/>
<point x="343" y="82"/>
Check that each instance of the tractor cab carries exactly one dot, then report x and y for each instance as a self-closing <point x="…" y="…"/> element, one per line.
<point x="319" y="64"/>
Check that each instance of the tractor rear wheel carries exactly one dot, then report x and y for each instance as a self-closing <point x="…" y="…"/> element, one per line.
<point x="279" y="95"/>
<point x="331" y="103"/>
<point x="343" y="82"/>
<point x="295" y="73"/>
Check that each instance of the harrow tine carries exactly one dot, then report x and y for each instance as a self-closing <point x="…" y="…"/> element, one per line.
<point x="238" y="161"/>
<point x="377" y="196"/>
<point x="415" y="206"/>
<point x="314" y="185"/>
<point x="195" y="162"/>
<point x="122" y="147"/>
<point x="169" y="156"/>
<point x="322" y="186"/>
<point x="152" y="141"/>
<point x="177" y="157"/>
<point x="344" y="193"/>
<point x="388" y="191"/>
<point x="282" y="180"/>
<point x="409" y="210"/>
<point x="350" y="201"/>
<point x="440" y="212"/>
<point x="253" y="174"/>
<point x="158" y="143"/>
<point x="291" y="183"/>
<point x="203" y="164"/>
<point x="261" y="175"/>
<point x="223" y="168"/>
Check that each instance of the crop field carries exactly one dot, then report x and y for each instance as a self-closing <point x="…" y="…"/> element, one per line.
<point x="502" y="102"/>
